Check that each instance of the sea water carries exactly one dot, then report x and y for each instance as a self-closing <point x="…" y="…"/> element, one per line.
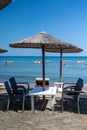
<point x="27" y="68"/>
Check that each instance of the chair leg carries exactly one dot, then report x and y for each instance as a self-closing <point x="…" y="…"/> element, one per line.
<point x="62" y="105"/>
<point x="23" y="103"/>
<point x="78" y="109"/>
<point x="8" y="104"/>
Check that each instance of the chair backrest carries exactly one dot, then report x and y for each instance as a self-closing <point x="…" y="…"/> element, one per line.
<point x="8" y="88"/>
<point x="79" y="84"/>
<point x="13" y="83"/>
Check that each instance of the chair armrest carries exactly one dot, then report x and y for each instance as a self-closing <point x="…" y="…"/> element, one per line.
<point x="22" y="83"/>
<point x="69" y="88"/>
<point x="68" y="92"/>
<point x="66" y="84"/>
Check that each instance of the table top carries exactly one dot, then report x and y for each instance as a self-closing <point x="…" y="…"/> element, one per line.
<point x="40" y="91"/>
<point x="58" y="83"/>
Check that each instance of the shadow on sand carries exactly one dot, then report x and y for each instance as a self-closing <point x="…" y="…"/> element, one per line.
<point x="41" y="105"/>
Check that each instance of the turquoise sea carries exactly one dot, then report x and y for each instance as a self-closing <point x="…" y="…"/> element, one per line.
<point x="24" y="68"/>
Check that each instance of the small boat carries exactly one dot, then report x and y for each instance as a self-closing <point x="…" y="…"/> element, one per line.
<point x="81" y="61"/>
<point x="6" y="61"/>
<point x="37" y="62"/>
<point x="63" y="63"/>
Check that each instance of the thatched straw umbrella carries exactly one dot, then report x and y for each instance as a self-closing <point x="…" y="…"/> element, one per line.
<point x="62" y="50"/>
<point x="4" y="3"/>
<point x="3" y="50"/>
<point x="45" y="42"/>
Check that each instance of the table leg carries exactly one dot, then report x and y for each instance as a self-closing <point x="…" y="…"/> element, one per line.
<point x="53" y="102"/>
<point x="32" y="103"/>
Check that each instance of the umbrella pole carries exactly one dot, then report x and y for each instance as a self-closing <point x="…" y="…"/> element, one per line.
<point x="60" y="79"/>
<point x="43" y="68"/>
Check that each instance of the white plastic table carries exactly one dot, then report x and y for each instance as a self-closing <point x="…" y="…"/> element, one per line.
<point x="38" y="91"/>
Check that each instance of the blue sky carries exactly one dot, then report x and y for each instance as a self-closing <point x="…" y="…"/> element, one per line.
<point x="64" y="19"/>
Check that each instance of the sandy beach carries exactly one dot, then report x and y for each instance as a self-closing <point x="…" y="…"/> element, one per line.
<point x="44" y="119"/>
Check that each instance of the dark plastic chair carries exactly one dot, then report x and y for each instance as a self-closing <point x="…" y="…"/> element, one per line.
<point x="18" y="89"/>
<point x="72" y="93"/>
<point x="12" y="97"/>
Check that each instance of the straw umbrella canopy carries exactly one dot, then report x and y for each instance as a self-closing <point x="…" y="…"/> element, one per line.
<point x="62" y="50"/>
<point x="4" y="3"/>
<point x="3" y="50"/>
<point x="45" y="42"/>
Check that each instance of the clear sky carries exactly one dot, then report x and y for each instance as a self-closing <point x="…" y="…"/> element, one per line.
<point x="64" y="19"/>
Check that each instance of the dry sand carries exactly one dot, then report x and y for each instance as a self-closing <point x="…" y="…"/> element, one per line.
<point x="41" y="119"/>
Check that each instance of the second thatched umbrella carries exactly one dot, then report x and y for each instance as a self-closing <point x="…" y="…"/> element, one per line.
<point x="62" y="50"/>
<point x="45" y="42"/>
